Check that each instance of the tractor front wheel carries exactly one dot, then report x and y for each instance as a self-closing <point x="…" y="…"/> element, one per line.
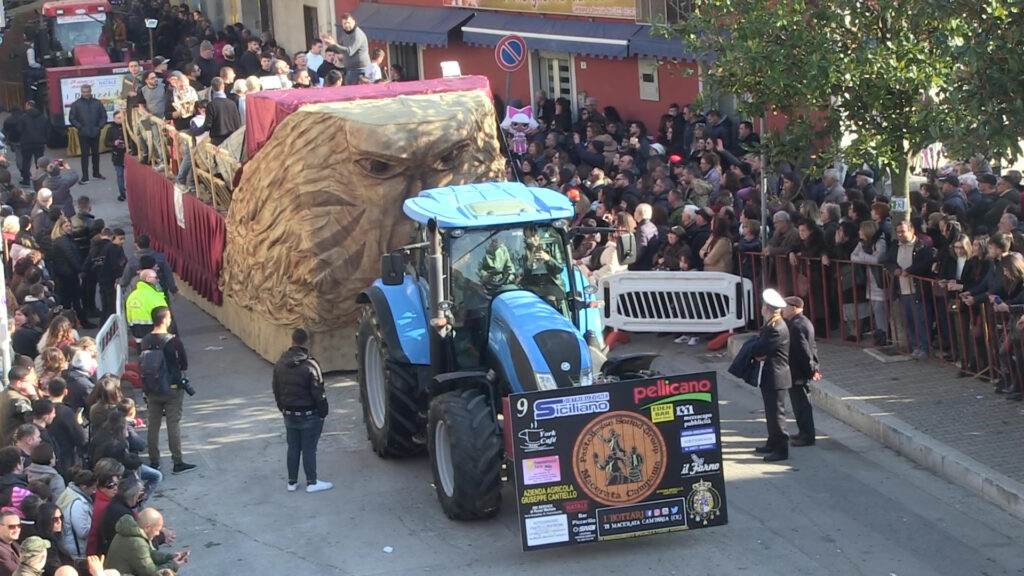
<point x="387" y="390"/>
<point x="466" y="453"/>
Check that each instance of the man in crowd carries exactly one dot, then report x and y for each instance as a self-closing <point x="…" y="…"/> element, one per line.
<point x="222" y="116"/>
<point x="804" y="368"/>
<point x="10" y="531"/>
<point x="298" y="386"/>
<point x="69" y="436"/>
<point x="132" y="550"/>
<point x="88" y="115"/>
<point x="116" y="143"/>
<point x="16" y="401"/>
<point x="163" y="269"/>
<point x="909" y="257"/>
<point x="169" y="404"/>
<point x="772" y="349"/>
<point x="34" y="129"/>
<point x="142" y="301"/>
<point x="314" y="58"/>
<point x="354" y="46"/>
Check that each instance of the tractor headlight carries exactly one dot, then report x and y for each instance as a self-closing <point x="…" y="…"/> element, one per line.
<point x="586" y="378"/>
<point x="545" y="382"/>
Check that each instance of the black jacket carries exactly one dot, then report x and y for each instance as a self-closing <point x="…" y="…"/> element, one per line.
<point x="921" y="264"/>
<point x="25" y="339"/>
<point x="114" y="134"/>
<point x="222" y="119"/>
<point x="803" y="350"/>
<point x="35" y="128"/>
<point x="81" y="232"/>
<point x="298" y="382"/>
<point x="773" y="345"/>
<point x="114" y="511"/>
<point x="12" y="127"/>
<point x="174" y="354"/>
<point x="88" y="115"/>
<point x="65" y="259"/>
<point x="69" y="436"/>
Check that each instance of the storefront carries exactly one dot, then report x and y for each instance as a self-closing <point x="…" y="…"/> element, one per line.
<point x="577" y="49"/>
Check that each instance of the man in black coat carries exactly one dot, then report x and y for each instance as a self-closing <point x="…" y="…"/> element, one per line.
<point x="68" y="433"/>
<point x="772" y="349"/>
<point x="35" y="130"/>
<point x="88" y="115"/>
<point x="803" y="366"/>
<point x="222" y="117"/>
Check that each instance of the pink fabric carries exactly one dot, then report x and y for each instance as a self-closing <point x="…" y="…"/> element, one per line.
<point x="265" y="110"/>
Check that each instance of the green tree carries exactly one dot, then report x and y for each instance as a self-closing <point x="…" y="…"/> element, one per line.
<point x="877" y="79"/>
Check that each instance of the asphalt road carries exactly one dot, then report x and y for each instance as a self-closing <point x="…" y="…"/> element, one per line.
<point x="845" y="506"/>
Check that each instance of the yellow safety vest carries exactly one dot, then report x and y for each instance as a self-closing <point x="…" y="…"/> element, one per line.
<point x="138" y="308"/>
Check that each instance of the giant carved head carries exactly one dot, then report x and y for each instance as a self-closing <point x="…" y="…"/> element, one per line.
<point x="322" y="200"/>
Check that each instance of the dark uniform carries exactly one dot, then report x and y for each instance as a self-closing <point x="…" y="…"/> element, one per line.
<point x="299" y="392"/>
<point x="772" y="346"/>
<point x="803" y="364"/>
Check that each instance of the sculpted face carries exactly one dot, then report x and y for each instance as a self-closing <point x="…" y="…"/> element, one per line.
<point x="303" y="238"/>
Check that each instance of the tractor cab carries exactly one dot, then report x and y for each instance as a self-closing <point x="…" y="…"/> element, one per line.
<point x="72" y="33"/>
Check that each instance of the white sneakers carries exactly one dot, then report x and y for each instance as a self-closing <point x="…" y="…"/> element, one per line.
<point x="293" y="487"/>
<point x="319" y="486"/>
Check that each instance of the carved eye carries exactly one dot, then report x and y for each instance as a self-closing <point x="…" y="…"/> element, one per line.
<point x="451" y="157"/>
<point x="378" y="168"/>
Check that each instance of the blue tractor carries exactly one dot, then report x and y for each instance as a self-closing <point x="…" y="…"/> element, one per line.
<point x="485" y="302"/>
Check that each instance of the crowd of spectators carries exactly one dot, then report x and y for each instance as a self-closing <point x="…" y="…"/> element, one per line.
<point x="944" y="282"/>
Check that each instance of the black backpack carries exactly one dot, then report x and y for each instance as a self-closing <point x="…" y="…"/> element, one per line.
<point x="156" y="376"/>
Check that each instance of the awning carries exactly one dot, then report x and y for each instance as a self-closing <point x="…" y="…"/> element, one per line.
<point x="644" y="45"/>
<point x="408" y="24"/>
<point x="607" y="39"/>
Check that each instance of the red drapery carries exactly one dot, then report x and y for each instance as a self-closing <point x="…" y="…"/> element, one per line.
<point x="195" y="252"/>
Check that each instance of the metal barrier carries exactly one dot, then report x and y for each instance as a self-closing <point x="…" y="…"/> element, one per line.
<point x="112" y="341"/>
<point x="865" y="304"/>
<point x="677" y="301"/>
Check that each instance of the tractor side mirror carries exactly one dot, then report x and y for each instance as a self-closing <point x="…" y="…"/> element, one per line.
<point x="392" y="269"/>
<point x="626" y="245"/>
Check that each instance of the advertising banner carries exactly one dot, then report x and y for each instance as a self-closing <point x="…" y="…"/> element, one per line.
<point x="618" y="461"/>
<point x="602" y="8"/>
<point x="107" y="89"/>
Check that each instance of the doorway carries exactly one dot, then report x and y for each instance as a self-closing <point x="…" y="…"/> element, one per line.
<point x="553" y="73"/>
<point x="311" y="20"/>
<point x="408" y="57"/>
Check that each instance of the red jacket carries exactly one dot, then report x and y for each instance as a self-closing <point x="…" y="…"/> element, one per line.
<point x="93" y="544"/>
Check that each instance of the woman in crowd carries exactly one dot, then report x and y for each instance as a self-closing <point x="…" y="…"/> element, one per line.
<point x="76" y="504"/>
<point x="51" y="363"/>
<point x="717" y="251"/>
<point x="870" y="251"/>
<point x="60" y="334"/>
<point x="50" y="527"/>
<point x="673" y="250"/>
<point x="27" y="332"/>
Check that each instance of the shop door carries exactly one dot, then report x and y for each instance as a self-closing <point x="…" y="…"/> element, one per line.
<point x="553" y="73"/>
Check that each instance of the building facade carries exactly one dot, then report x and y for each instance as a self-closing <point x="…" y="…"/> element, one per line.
<point x="577" y="48"/>
<point x="294" y="23"/>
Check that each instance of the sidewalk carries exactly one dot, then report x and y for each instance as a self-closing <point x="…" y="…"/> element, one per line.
<point x="957" y="428"/>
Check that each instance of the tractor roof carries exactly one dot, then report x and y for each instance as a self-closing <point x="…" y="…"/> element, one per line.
<point x="72" y="7"/>
<point x="488" y="204"/>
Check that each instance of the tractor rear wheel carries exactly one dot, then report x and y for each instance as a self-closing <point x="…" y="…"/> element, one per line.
<point x="466" y="453"/>
<point x="387" y="391"/>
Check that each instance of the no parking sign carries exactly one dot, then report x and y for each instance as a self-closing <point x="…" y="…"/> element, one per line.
<point x="510" y="53"/>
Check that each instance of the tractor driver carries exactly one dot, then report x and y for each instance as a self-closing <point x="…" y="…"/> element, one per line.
<point x="542" y="274"/>
<point x="497" y="272"/>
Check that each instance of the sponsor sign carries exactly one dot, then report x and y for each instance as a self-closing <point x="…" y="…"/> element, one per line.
<point x="602" y="8"/>
<point x="107" y="89"/>
<point x="602" y="462"/>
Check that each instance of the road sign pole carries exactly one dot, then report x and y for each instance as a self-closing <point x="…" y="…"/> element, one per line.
<point x="508" y="87"/>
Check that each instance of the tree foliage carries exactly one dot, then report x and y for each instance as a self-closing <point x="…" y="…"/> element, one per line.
<point x="873" y="80"/>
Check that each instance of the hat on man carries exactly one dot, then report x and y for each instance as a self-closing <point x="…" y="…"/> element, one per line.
<point x="773" y="299"/>
<point x="950" y="179"/>
<point x="33" y="547"/>
<point x="205" y="45"/>
<point x="795" y="302"/>
<point x="658" y="149"/>
<point x="679" y="231"/>
<point x="988" y="178"/>
<point x="177" y="74"/>
<point x="159" y="61"/>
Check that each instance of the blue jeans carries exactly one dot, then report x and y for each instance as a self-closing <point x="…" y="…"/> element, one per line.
<point x="303" y="433"/>
<point x="918" y="325"/>
<point x="119" y="172"/>
<point x="185" y="171"/>
<point x="352" y="76"/>
<point x="151" y="478"/>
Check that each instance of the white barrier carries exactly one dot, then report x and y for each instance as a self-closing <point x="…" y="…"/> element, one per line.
<point x="702" y="302"/>
<point x="112" y="341"/>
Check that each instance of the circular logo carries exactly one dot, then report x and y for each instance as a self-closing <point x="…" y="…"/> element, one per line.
<point x="619" y="458"/>
<point x="565" y="366"/>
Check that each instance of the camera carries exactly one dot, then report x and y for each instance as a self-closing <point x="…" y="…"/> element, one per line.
<point x="187" y="386"/>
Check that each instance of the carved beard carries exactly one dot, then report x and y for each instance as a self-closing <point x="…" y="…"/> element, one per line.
<point x="320" y="203"/>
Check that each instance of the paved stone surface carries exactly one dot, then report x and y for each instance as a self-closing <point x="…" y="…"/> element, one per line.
<point x="962" y="413"/>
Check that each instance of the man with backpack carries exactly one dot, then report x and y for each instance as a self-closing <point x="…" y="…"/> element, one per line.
<point x="162" y="364"/>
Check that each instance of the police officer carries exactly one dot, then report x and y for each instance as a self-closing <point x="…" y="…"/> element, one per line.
<point x="299" y="392"/>
<point x="804" y="366"/>
<point x="772" y="349"/>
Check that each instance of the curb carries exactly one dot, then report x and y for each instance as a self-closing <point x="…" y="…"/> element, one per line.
<point x="947" y="463"/>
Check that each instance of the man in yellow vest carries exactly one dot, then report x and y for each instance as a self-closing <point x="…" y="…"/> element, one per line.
<point x="138" y="308"/>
